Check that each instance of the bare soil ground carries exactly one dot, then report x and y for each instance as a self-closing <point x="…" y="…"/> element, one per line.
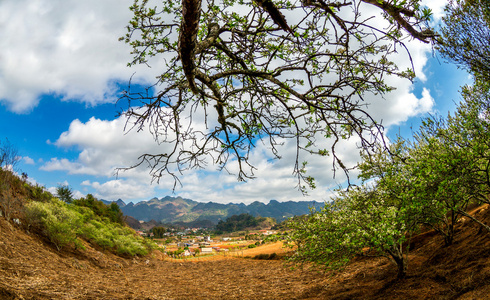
<point x="31" y="269"/>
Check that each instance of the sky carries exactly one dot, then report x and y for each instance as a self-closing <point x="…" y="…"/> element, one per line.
<point x="62" y="70"/>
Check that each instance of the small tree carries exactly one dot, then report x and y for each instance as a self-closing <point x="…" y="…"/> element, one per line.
<point x="453" y="155"/>
<point x="158" y="231"/>
<point x="363" y="217"/>
<point x="64" y="193"/>
<point x="381" y="217"/>
<point x="115" y="214"/>
<point x="9" y="156"/>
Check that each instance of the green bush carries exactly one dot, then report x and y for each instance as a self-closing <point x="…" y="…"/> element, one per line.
<point x="65" y="224"/>
<point x="56" y="221"/>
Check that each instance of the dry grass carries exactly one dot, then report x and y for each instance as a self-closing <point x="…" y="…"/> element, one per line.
<point x="276" y="247"/>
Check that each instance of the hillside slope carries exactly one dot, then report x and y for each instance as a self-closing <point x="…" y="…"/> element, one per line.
<point x="32" y="269"/>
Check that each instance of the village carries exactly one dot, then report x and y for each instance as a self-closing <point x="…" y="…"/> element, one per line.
<point x="201" y="242"/>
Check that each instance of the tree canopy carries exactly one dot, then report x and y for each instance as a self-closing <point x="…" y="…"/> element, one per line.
<point x="466" y="36"/>
<point x="380" y="217"/>
<point x="64" y="193"/>
<point x="238" y="73"/>
<point x="429" y="180"/>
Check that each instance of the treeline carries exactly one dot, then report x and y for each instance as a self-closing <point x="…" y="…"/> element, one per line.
<point x="240" y="222"/>
<point x="112" y="211"/>
<point x="428" y="180"/>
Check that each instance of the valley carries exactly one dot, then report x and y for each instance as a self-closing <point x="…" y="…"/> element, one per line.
<point x="31" y="268"/>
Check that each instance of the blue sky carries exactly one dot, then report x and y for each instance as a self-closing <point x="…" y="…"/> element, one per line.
<point x="62" y="70"/>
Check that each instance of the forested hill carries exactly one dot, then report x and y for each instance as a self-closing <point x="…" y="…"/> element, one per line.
<point x="177" y="209"/>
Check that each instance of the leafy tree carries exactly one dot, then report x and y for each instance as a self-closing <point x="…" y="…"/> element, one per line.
<point x="64" y="193"/>
<point x="264" y="71"/>
<point x="436" y="180"/>
<point x="466" y="36"/>
<point x="456" y="157"/>
<point x="112" y="211"/>
<point x="359" y="218"/>
<point x="115" y="214"/>
<point x="158" y="231"/>
<point x="452" y="152"/>
<point x="381" y="216"/>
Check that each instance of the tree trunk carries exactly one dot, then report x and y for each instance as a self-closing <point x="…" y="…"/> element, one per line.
<point x="449" y="238"/>
<point x="401" y="262"/>
<point x="402" y="267"/>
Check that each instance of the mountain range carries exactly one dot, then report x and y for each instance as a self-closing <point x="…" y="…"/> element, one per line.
<point x="178" y="209"/>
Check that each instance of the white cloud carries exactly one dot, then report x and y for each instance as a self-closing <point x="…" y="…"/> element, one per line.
<point x="103" y="147"/>
<point x="64" y="47"/>
<point x="28" y="161"/>
<point x="399" y="106"/>
<point x="121" y="189"/>
<point x="77" y="194"/>
<point x="52" y="190"/>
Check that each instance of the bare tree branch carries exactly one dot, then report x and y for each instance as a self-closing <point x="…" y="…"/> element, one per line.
<point x="234" y="67"/>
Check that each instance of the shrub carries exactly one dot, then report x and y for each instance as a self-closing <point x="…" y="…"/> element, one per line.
<point x="56" y="221"/>
<point x="65" y="224"/>
<point x="130" y="245"/>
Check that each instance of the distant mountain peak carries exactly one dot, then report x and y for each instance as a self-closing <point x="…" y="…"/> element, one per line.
<point x="177" y="209"/>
